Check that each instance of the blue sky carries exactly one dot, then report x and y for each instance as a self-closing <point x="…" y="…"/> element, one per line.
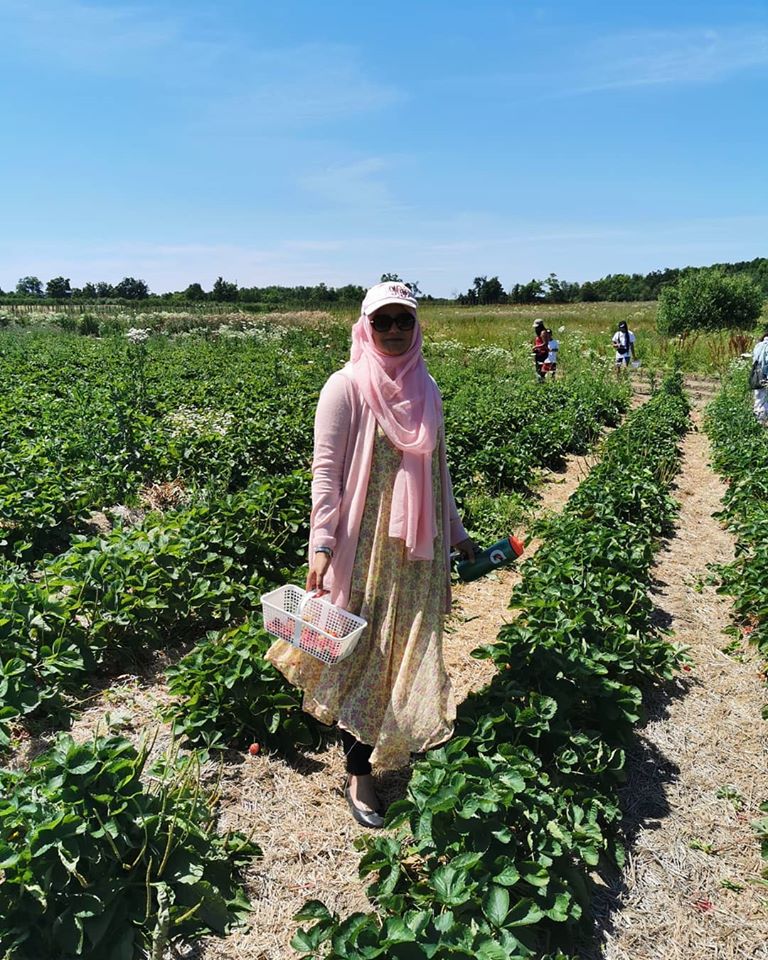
<point x="303" y="142"/>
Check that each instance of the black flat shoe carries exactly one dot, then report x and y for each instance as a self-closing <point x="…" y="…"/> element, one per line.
<point x="362" y="814"/>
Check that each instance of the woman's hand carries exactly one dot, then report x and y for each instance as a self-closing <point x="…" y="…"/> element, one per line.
<point x="467" y="548"/>
<point x="317" y="571"/>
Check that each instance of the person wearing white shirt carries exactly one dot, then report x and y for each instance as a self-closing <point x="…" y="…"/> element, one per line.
<point x="550" y="364"/>
<point x="624" y="344"/>
<point x="760" y="356"/>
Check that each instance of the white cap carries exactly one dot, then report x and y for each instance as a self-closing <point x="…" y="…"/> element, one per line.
<point x="385" y="293"/>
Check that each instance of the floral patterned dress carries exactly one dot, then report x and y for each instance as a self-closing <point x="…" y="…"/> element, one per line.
<point x="392" y="692"/>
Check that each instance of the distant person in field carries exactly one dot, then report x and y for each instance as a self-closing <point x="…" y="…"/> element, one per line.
<point x="550" y="364"/>
<point x="541" y="338"/>
<point x="382" y="525"/>
<point x="760" y="357"/>
<point x="624" y="345"/>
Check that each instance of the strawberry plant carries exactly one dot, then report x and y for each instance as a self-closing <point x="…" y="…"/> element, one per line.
<point x="227" y="694"/>
<point x="84" y="424"/>
<point x="170" y="579"/>
<point x="96" y="864"/>
<point x="740" y="445"/>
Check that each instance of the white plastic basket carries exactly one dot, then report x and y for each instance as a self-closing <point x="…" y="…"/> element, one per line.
<point x="311" y="623"/>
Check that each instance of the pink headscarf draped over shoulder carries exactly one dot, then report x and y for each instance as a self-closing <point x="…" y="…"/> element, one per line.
<point x="406" y="403"/>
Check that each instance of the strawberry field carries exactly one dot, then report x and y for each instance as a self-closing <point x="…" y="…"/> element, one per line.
<point x="154" y="485"/>
<point x="152" y="488"/>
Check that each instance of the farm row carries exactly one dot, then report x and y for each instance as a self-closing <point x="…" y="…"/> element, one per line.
<point x="101" y="856"/>
<point x="740" y="446"/>
<point x="493" y="846"/>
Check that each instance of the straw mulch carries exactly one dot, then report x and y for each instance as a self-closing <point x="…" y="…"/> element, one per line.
<point x="692" y="886"/>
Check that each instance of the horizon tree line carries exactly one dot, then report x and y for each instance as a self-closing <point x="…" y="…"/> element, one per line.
<point x="484" y="290"/>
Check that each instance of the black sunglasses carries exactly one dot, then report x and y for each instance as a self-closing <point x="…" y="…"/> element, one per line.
<point x="403" y="321"/>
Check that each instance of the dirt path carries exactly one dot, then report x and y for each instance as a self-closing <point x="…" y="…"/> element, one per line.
<point x="691" y="886"/>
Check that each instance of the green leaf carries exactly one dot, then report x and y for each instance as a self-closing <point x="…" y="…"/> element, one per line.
<point x="508" y="876"/>
<point x="524" y="913"/>
<point x="449" y="885"/>
<point x="534" y="873"/>
<point x="306" y="941"/>
<point x="488" y="950"/>
<point x="496" y="905"/>
<point x="313" y="910"/>
<point x="396" y="931"/>
<point x="444" y="921"/>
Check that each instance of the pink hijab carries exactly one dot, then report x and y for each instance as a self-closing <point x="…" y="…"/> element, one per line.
<point x="406" y="404"/>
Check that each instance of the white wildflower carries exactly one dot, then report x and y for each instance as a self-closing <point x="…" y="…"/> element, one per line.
<point x="137" y="335"/>
<point x="193" y="422"/>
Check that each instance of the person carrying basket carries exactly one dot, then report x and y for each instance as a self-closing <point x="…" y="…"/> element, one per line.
<point x="382" y="525"/>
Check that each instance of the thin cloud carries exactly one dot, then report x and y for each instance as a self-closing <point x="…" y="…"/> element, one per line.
<point x="305" y="84"/>
<point x="656" y="57"/>
<point x="359" y="185"/>
<point x="626" y="60"/>
<point x="113" y="39"/>
<point x="224" y="80"/>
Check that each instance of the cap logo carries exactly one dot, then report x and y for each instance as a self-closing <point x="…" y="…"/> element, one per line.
<point x="397" y="290"/>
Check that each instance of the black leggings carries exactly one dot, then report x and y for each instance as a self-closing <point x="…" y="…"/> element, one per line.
<point x="358" y="755"/>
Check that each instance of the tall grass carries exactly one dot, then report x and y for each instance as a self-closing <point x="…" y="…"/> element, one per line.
<point x="584" y="329"/>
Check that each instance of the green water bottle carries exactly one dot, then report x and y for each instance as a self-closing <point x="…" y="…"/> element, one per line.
<point x="506" y="550"/>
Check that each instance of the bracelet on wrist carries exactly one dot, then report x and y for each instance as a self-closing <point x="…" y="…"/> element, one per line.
<point x="326" y="550"/>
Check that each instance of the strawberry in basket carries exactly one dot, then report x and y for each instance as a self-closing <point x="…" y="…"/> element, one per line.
<point x="280" y="628"/>
<point x="311" y="640"/>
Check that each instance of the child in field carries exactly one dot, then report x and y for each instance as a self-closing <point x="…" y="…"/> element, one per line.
<point x="550" y="364"/>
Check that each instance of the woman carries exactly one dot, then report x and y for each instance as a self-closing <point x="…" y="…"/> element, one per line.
<point x="383" y="521"/>
<point x="760" y="357"/>
<point x="542" y="336"/>
<point x="624" y="344"/>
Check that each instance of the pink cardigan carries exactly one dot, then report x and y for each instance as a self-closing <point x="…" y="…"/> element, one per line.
<point x="345" y="431"/>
